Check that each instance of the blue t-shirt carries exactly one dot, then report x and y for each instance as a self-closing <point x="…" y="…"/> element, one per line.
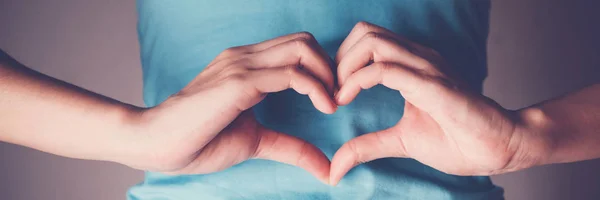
<point x="179" y="38"/>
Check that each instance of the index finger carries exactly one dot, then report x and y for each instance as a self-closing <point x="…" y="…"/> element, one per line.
<point x="302" y="52"/>
<point x="282" y="78"/>
<point x="252" y="48"/>
<point x="426" y="93"/>
<point x="362" y="28"/>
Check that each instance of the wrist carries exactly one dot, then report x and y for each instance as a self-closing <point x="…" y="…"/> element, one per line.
<point x="144" y="146"/>
<point x="537" y="142"/>
<point x="128" y="146"/>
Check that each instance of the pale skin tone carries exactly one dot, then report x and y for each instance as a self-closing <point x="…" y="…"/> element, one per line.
<point x="208" y="126"/>
<point x="204" y="128"/>
<point x="449" y="127"/>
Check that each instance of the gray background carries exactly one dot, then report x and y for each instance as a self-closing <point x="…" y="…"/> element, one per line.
<point x="538" y="49"/>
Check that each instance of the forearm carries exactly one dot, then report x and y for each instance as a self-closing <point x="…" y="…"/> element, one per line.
<point x="43" y="113"/>
<point x="569" y="125"/>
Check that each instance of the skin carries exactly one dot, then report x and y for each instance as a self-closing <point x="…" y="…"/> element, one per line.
<point x="205" y="128"/>
<point x="449" y="127"/>
<point x="208" y="126"/>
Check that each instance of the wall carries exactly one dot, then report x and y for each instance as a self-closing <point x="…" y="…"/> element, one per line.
<point x="538" y="49"/>
<point x="92" y="44"/>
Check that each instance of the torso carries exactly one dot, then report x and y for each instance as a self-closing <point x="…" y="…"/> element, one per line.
<point x="179" y="38"/>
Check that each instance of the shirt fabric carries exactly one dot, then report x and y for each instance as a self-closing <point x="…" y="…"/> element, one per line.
<point x="179" y="38"/>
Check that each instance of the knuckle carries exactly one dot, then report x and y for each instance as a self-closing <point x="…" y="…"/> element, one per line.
<point x="430" y="66"/>
<point x="305" y="35"/>
<point x="232" y="51"/>
<point x="302" y="43"/>
<point x="373" y="38"/>
<point x="354" y="150"/>
<point x="363" y="26"/>
<point x="292" y="71"/>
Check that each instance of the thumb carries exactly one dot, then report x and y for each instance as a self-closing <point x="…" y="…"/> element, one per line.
<point x="291" y="150"/>
<point x="365" y="148"/>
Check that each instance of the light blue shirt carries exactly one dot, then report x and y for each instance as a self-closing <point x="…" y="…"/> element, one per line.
<point x="179" y="38"/>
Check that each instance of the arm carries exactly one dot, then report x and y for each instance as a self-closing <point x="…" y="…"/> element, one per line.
<point x="206" y="127"/>
<point x="571" y="122"/>
<point x="50" y="115"/>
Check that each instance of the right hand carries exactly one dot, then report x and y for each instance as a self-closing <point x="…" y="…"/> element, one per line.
<point x="445" y="124"/>
<point x="208" y="126"/>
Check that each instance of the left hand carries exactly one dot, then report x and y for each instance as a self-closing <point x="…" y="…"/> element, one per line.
<point x="209" y="126"/>
<point x="445" y="125"/>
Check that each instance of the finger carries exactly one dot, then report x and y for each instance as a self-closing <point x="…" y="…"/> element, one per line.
<point x="428" y="94"/>
<point x="362" y="28"/>
<point x="213" y="153"/>
<point x="294" y="151"/>
<point x="376" y="47"/>
<point x="306" y="36"/>
<point x="357" y="32"/>
<point x="246" y="49"/>
<point x="365" y="148"/>
<point x="302" y="52"/>
<point x="281" y="78"/>
<point x="279" y="40"/>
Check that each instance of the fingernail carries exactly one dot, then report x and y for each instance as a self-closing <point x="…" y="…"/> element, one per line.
<point x="326" y="181"/>
<point x="338" y="98"/>
<point x="332" y="183"/>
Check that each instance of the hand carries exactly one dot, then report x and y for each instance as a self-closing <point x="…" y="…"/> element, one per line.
<point x="208" y="126"/>
<point x="445" y="125"/>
